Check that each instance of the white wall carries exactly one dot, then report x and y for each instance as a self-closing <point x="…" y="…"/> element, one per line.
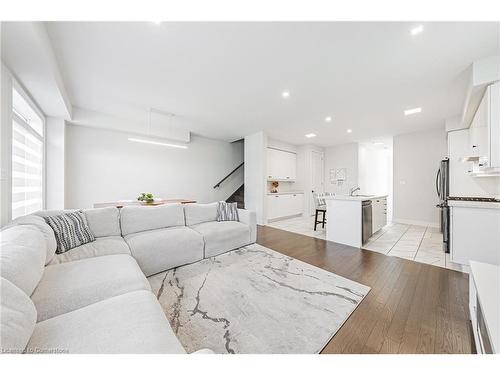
<point x="55" y="142"/>
<point x="102" y="165"/>
<point x="375" y="170"/>
<point x="341" y="156"/>
<point x="461" y="184"/>
<point x="416" y="160"/>
<point x="255" y="175"/>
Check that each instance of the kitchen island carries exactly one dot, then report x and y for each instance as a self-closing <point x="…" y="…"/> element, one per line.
<point x="344" y="213"/>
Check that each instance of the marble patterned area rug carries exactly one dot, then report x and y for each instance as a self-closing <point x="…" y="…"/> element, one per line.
<point x="255" y="300"/>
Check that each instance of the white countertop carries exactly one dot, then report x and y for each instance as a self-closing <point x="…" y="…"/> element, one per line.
<point x="358" y="198"/>
<point x="487" y="282"/>
<point x="474" y="204"/>
<point x="286" y="193"/>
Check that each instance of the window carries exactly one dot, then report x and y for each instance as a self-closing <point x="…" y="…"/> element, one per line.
<point x="27" y="156"/>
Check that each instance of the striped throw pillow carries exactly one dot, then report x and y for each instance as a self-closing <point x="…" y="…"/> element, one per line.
<point x="227" y="211"/>
<point x="70" y="229"/>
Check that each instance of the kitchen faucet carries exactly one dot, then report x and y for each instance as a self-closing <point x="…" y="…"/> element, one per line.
<point x="353" y="190"/>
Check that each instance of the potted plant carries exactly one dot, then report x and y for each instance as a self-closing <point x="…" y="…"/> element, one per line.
<point x="146" y="198"/>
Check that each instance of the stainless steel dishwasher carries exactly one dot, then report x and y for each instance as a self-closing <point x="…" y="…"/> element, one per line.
<point x="366" y="213"/>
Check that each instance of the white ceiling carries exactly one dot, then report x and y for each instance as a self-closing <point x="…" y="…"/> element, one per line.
<point x="227" y="78"/>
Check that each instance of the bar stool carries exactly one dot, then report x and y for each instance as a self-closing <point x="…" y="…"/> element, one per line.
<point x="320" y="203"/>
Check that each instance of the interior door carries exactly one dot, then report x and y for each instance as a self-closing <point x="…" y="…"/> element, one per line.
<point x="317" y="177"/>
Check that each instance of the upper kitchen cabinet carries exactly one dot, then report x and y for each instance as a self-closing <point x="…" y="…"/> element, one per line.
<point x="281" y="165"/>
<point x="494" y="125"/>
<point x="484" y="134"/>
<point x="478" y="132"/>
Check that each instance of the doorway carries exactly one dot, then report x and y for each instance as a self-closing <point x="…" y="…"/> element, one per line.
<point x="317" y="177"/>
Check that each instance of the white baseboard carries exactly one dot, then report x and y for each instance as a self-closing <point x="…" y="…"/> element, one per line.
<point x="416" y="222"/>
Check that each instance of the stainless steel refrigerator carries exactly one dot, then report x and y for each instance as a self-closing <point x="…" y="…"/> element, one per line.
<point x="442" y="190"/>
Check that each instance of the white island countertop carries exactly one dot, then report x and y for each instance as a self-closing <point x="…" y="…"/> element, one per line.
<point x="286" y="193"/>
<point x="474" y="204"/>
<point x="487" y="281"/>
<point x="358" y="198"/>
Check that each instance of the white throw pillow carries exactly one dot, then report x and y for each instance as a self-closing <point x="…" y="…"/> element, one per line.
<point x="17" y="318"/>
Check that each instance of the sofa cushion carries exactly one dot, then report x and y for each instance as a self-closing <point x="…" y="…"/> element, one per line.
<point x="101" y="246"/>
<point x="227" y="211"/>
<point x="17" y="318"/>
<point x="129" y="323"/>
<point x="71" y="230"/>
<point x="22" y="256"/>
<point x="222" y="236"/>
<point x="249" y="218"/>
<point x="46" y="230"/>
<point x="199" y="213"/>
<point x="104" y="222"/>
<point x="70" y="286"/>
<point x="142" y="218"/>
<point x="162" y="249"/>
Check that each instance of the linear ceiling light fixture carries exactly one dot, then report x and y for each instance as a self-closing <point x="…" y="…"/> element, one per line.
<point x="310" y="135"/>
<point x="153" y="142"/>
<point x="412" y="111"/>
<point x="140" y="140"/>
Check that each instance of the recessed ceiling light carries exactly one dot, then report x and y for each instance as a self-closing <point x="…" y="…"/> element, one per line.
<point x="310" y="135"/>
<point x="417" y="30"/>
<point x="412" y="111"/>
<point x="285" y="94"/>
<point x="328" y="119"/>
<point x="349" y="130"/>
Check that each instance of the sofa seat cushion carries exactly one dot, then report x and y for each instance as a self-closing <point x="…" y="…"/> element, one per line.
<point x="73" y="285"/>
<point x="101" y="246"/>
<point x="130" y="323"/>
<point x="17" y="318"/>
<point x="162" y="249"/>
<point x="23" y="251"/>
<point x="223" y="236"/>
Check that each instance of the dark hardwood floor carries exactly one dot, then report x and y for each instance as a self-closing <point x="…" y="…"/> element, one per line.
<point x="411" y="308"/>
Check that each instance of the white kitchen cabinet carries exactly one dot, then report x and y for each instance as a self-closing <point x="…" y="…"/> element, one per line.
<point x="494" y="125"/>
<point x="484" y="133"/>
<point x="474" y="233"/>
<point x="379" y="213"/>
<point x="478" y="131"/>
<point x="284" y="205"/>
<point x="281" y="165"/>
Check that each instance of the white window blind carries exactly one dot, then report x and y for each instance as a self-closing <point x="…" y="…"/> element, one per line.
<point x="27" y="158"/>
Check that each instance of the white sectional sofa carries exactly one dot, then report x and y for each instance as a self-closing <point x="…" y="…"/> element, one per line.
<point x="95" y="298"/>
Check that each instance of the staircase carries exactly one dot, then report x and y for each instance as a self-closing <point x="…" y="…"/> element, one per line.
<point x="238" y="196"/>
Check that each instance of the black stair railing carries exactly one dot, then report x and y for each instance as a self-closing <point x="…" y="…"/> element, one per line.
<point x="230" y="173"/>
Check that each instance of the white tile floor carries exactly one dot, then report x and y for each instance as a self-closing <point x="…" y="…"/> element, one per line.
<point x="412" y="242"/>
